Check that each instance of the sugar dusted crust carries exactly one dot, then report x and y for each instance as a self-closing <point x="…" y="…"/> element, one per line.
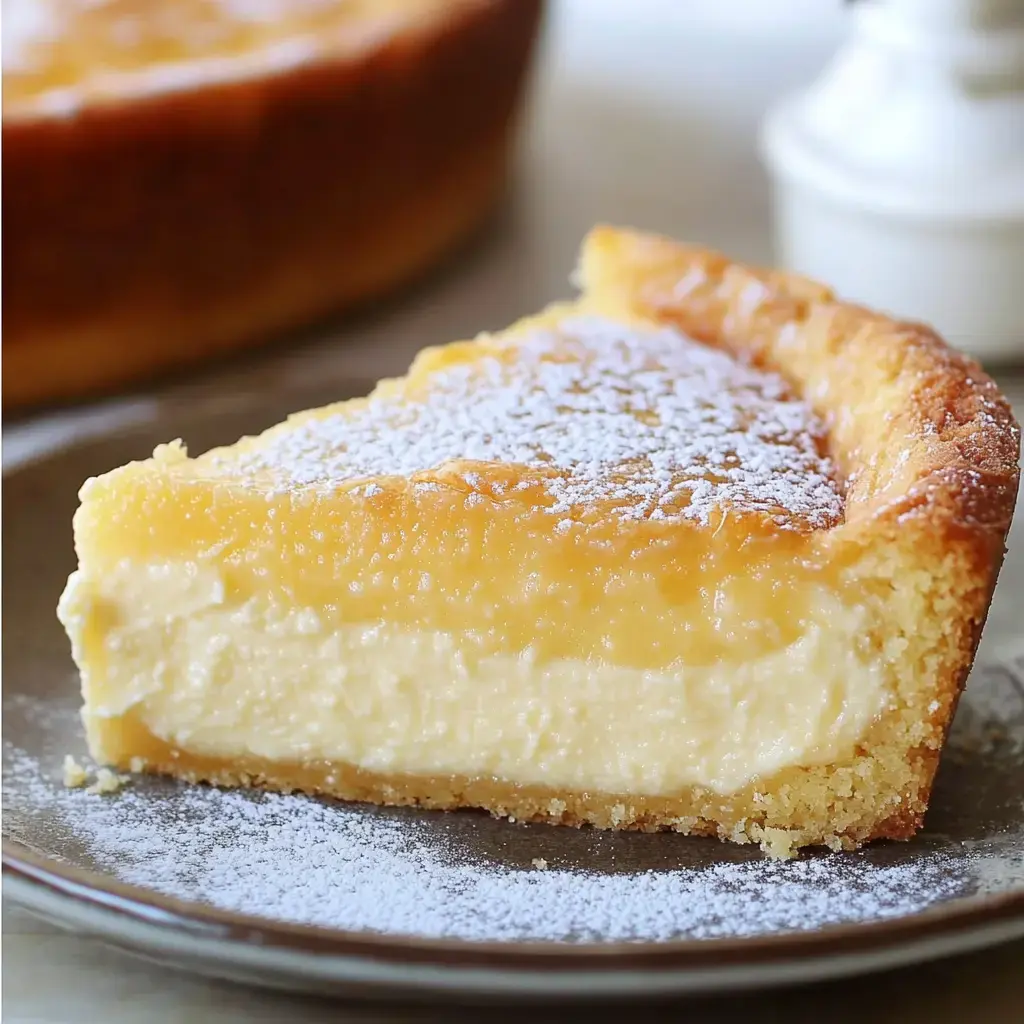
<point x="586" y="418"/>
<point x="927" y="443"/>
<point x="919" y="431"/>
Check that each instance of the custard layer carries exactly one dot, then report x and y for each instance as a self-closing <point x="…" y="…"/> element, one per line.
<point x="212" y="674"/>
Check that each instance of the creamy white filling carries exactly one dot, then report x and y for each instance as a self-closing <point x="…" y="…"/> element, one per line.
<point x="229" y="679"/>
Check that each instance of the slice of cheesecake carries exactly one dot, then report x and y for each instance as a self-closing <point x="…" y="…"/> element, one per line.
<point x="706" y="550"/>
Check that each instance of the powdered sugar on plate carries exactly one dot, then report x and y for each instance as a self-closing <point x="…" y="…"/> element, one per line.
<point x="466" y="876"/>
<point x="462" y="876"/>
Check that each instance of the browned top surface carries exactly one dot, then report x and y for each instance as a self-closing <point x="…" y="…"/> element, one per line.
<point x="915" y="427"/>
<point x="580" y="417"/>
<point x="57" y="53"/>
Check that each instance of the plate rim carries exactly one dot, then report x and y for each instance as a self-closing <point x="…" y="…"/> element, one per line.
<point x="957" y="925"/>
<point x="139" y="904"/>
<point x="210" y="954"/>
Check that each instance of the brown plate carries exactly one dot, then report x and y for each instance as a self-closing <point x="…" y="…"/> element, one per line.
<point x="305" y="894"/>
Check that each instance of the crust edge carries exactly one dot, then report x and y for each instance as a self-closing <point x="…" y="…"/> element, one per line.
<point x="929" y="446"/>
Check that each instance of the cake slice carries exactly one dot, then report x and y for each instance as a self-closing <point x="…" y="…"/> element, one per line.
<point x="706" y="550"/>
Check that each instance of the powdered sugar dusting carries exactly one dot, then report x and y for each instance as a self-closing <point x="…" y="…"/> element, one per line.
<point x="398" y="872"/>
<point x="638" y="423"/>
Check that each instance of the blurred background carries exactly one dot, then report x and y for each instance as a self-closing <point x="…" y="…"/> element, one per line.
<point x="224" y="196"/>
<point x="638" y="112"/>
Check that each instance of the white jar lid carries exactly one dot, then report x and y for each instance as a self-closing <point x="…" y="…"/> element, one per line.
<point x="899" y="174"/>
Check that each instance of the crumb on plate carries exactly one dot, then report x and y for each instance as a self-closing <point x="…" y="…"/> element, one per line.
<point x="106" y="782"/>
<point x="74" y="774"/>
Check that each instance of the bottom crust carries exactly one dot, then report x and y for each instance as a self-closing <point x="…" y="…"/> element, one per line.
<point x="799" y="807"/>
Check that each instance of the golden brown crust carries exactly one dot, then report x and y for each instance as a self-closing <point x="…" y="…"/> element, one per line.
<point x="144" y="235"/>
<point x="913" y="423"/>
<point x="761" y="813"/>
<point x="928" y="445"/>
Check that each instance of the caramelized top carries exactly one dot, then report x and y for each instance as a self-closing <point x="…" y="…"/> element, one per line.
<point x="60" y="53"/>
<point x="585" y="419"/>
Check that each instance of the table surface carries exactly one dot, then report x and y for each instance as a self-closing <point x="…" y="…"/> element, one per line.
<point x="620" y="128"/>
<point x="50" y="976"/>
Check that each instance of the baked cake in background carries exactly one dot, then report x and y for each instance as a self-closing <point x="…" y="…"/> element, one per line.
<point x="185" y="177"/>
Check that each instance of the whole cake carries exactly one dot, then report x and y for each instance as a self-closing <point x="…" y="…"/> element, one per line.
<point x="705" y="550"/>
<point x="184" y="177"/>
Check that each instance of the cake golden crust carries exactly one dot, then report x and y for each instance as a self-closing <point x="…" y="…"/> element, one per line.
<point x="761" y="813"/>
<point x="914" y="425"/>
<point x="928" y="445"/>
<point x="926" y="452"/>
<point x="151" y="228"/>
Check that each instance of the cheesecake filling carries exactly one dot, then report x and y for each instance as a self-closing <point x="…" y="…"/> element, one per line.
<point x="218" y="673"/>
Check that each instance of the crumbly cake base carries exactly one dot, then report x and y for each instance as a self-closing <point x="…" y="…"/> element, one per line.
<point x="838" y="806"/>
